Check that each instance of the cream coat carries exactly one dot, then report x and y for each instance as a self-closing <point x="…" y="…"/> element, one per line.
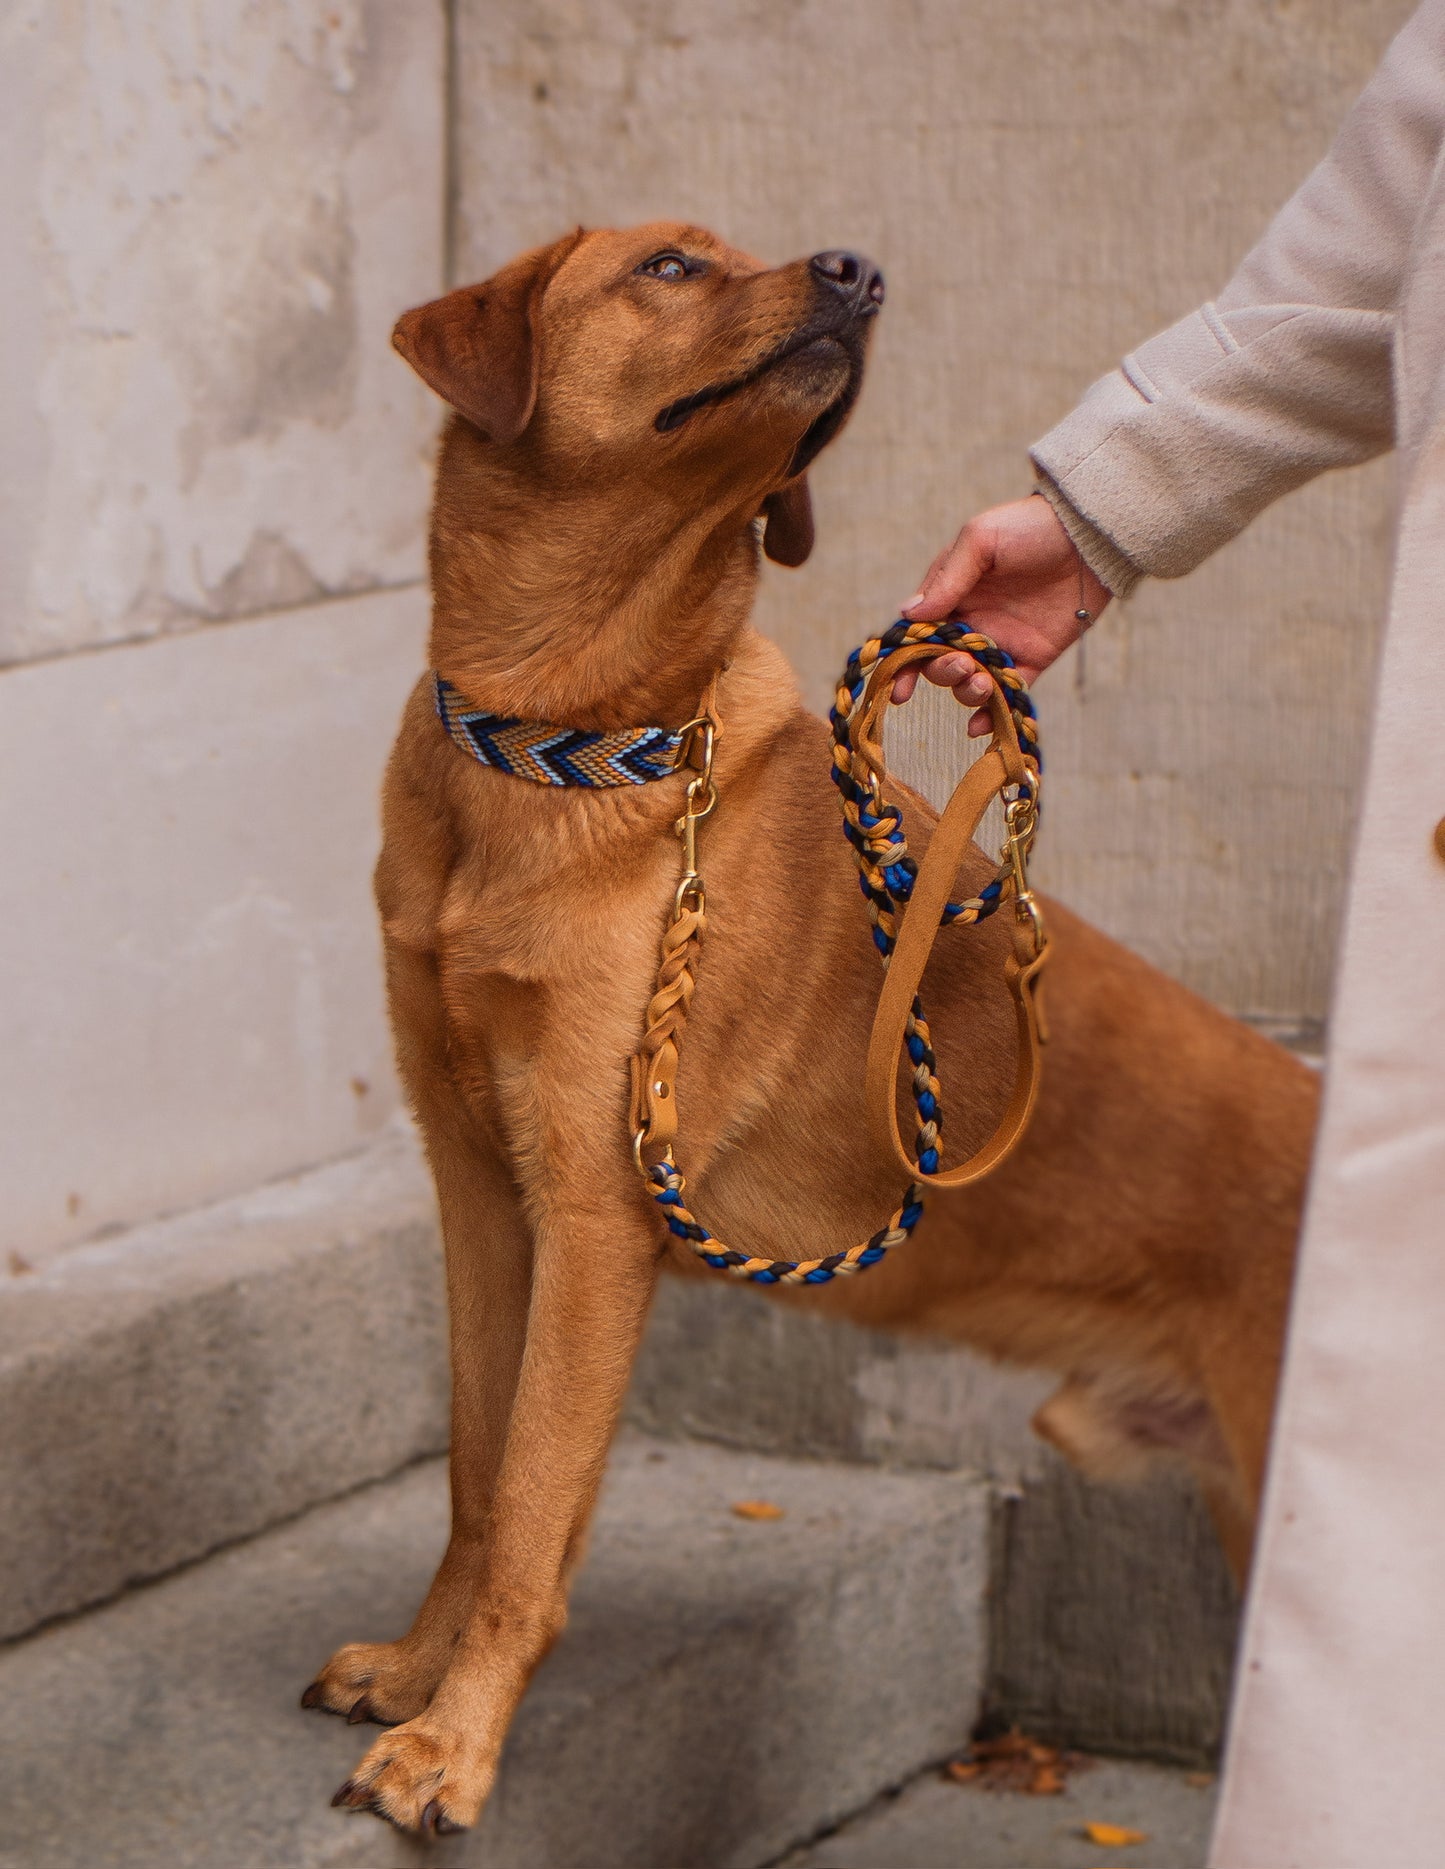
<point x="1328" y="346"/>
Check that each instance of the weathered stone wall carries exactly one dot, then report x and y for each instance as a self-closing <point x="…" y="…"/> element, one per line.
<point x="213" y="479"/>
<point x="1044" y="186"/>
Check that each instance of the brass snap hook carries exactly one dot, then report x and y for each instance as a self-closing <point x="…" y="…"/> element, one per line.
<point x="1026" y="909"/>
<point x="639" y="1143"/>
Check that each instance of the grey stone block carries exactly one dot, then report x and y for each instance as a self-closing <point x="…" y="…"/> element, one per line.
<point x="1113" y="1618"/>
<point x="198" y="1379"/>
<point x="724" y="1363"/>
<point x="725" y="1689"/>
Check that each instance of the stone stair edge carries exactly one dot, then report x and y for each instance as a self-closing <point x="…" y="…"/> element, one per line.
<point x="383" y="1183"/>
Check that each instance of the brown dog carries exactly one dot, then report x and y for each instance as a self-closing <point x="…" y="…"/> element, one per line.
<point x="628" y="404"/>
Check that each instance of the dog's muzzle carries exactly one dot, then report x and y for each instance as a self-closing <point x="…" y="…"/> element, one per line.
<point x="849" y="292"/>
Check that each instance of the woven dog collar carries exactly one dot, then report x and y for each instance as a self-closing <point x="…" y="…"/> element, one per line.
<point x="531" y="749"/>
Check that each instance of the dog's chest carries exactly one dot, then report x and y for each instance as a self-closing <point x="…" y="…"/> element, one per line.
<point x="548" y="974"/>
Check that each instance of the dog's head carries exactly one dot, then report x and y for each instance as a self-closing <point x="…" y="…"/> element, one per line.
<point x="663" y="359"/>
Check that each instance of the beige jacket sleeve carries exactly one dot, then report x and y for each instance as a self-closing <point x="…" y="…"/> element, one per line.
<point x="1288" y="372"/>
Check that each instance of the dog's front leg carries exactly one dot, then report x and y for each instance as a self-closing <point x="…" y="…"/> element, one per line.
<point x="594" y="1271"/>
<point x="489" y="1269"/>
<point x="488" y="1262"/>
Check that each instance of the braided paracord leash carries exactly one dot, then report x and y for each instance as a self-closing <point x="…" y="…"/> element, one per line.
<point x="886" y="872"/>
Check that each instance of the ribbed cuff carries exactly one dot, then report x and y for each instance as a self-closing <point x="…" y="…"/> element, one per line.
<point x="1097" y="549"/>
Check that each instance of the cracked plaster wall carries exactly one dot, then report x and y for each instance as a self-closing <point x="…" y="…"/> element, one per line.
<point x="214" y="476"/>
<point x="1044" y="185"/>
<point x="214" y="218"/>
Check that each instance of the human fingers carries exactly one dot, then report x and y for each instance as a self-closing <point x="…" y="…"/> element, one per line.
<point x="905" y="683"/>
<point x="970" y="683"/>
<point x="951" y="576"/>
<point x="954" y="670"/>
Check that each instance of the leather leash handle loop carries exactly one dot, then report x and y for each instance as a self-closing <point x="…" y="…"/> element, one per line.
<point x="868" y="737"/>
<point x="1002" y="765"/>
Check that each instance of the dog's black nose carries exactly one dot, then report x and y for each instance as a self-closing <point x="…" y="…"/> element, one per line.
<point x="857" y="278"/>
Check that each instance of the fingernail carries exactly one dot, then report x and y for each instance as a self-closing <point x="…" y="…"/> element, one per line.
<point x="916" y="598"/>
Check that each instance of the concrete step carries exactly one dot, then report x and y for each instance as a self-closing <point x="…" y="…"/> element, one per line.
<point x="935" y="1824"/>
<point x="194" y="1381"/>
<point x="726" y="1688"/>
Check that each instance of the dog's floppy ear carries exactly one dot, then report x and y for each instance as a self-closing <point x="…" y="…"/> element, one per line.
<point x="477" y="347"/>
<point x="788" y="523"/>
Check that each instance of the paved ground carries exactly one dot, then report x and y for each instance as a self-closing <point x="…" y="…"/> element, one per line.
<point x="934" y="1824"/>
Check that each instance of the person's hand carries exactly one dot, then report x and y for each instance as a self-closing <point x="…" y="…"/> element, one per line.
<point x="1013" y="573"/>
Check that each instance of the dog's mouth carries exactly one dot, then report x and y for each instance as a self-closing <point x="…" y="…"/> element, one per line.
<point x="822" y="429"/>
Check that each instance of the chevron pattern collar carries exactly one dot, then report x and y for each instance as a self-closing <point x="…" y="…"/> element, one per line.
<point x="530" y="749"/>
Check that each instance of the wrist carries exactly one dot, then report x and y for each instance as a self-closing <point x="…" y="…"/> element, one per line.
<point x="1098" y="551"/>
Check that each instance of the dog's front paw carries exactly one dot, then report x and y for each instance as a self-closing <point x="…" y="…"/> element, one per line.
<point x="383" y="1681"/>
<point x="421" y="1778"/>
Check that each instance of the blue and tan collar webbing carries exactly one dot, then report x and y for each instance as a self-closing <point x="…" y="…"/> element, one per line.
<point x="531" y="749"/>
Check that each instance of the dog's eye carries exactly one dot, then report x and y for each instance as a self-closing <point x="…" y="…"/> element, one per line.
<point x="668" y="266"/>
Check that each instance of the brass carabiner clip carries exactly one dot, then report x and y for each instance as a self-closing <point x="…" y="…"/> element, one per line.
<point x="1022" y="819"/>
<point x="1021" y="815"/>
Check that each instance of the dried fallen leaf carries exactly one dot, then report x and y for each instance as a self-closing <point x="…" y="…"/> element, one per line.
<point x="1114" y="1836"/>
<point x="757" y="1509"/>
<point x="1013" y="1762"/>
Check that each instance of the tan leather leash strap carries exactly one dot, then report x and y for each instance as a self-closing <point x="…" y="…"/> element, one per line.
<point x="1001" y="766"/>
<point x="653" y="1103"/>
